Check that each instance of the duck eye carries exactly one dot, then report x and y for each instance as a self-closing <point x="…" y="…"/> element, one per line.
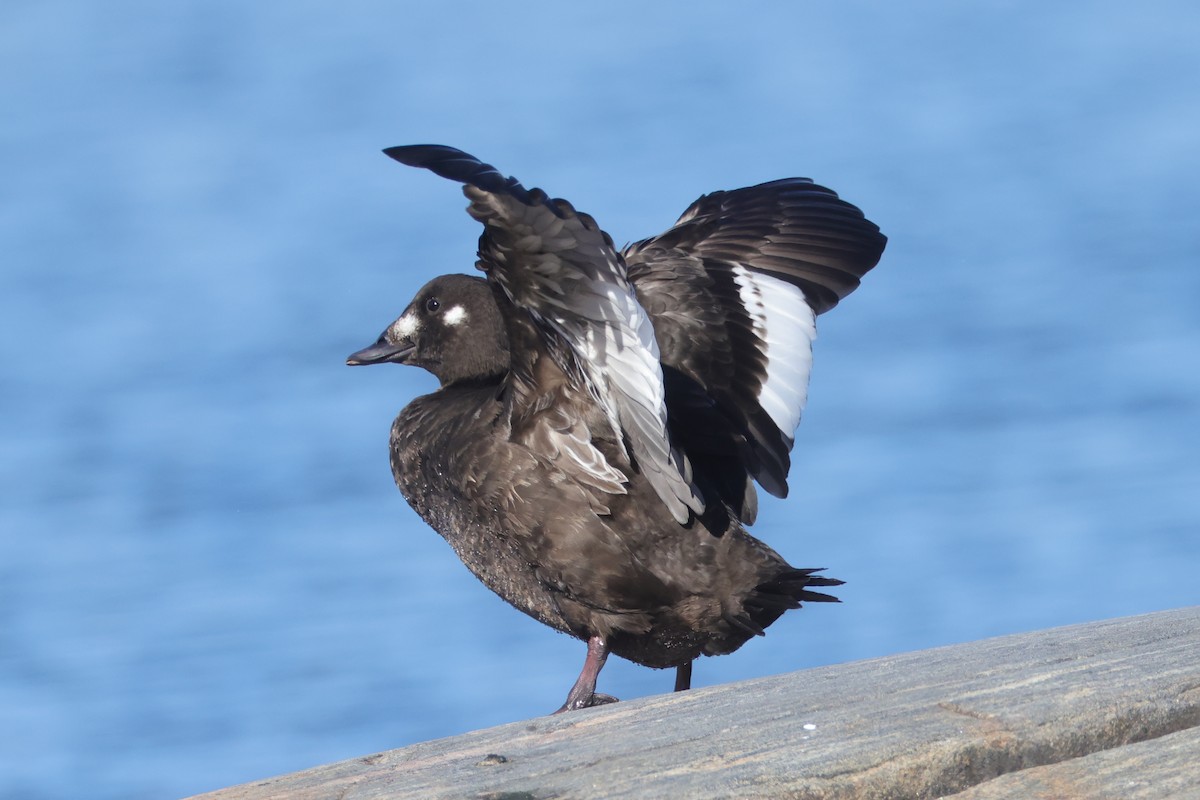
<point x="432" y="304"/>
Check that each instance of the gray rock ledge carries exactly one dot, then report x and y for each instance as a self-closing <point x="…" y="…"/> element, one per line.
<point x="1106" y="709"/>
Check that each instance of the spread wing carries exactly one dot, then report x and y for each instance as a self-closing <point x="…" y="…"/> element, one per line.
<point x="560" y="272"/>
<point x="757" y="265"/>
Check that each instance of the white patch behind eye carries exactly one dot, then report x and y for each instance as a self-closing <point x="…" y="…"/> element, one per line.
<point x="406" y="325"/>
<point x="455" y="315"/>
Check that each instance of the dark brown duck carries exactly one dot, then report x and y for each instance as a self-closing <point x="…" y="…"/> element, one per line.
<point x="604" y="415"/>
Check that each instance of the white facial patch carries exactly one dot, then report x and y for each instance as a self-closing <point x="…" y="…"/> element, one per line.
<point x="456" y="315"/>
<point x="406" y="326"/>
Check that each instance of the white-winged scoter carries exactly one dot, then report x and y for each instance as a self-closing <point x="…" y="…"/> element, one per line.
<point x="603" y="414"/>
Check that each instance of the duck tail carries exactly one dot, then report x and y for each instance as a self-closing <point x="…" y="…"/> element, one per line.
<point x="767" y="602"/>
<point x="790" y="589"/>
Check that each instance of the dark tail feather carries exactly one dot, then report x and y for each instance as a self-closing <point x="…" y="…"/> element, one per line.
<point x="767" y="603"/>
<point x="771" y="602"/>
<point x="819" y="597"/>
<point x="789" y="589"/>
<point x="745" y="624"/>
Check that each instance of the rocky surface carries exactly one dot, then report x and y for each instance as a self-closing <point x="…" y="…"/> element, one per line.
<point x="1104" y="709"/>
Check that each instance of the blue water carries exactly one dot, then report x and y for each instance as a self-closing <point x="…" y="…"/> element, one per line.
<point x="206" y="575"/>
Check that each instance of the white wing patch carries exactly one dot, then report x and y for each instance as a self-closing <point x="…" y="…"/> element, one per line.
<point x="786" y="327"/>
<point x="456" y="315"/>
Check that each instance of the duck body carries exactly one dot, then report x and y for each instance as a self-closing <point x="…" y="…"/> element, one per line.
<point x="574" y="557"/>
<point x="603" y="416"/>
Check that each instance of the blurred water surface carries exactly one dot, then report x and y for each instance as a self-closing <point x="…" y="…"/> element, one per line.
<point x="206" y="575"/>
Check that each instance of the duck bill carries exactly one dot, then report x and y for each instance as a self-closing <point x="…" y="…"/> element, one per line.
<point x="381" y="353"/>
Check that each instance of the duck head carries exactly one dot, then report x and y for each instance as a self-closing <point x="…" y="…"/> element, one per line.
<point x="452" y="328"/>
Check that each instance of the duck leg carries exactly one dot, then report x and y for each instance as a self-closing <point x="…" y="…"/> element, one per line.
<point x="583" y="693"/>
<point x="683" y="677"/>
